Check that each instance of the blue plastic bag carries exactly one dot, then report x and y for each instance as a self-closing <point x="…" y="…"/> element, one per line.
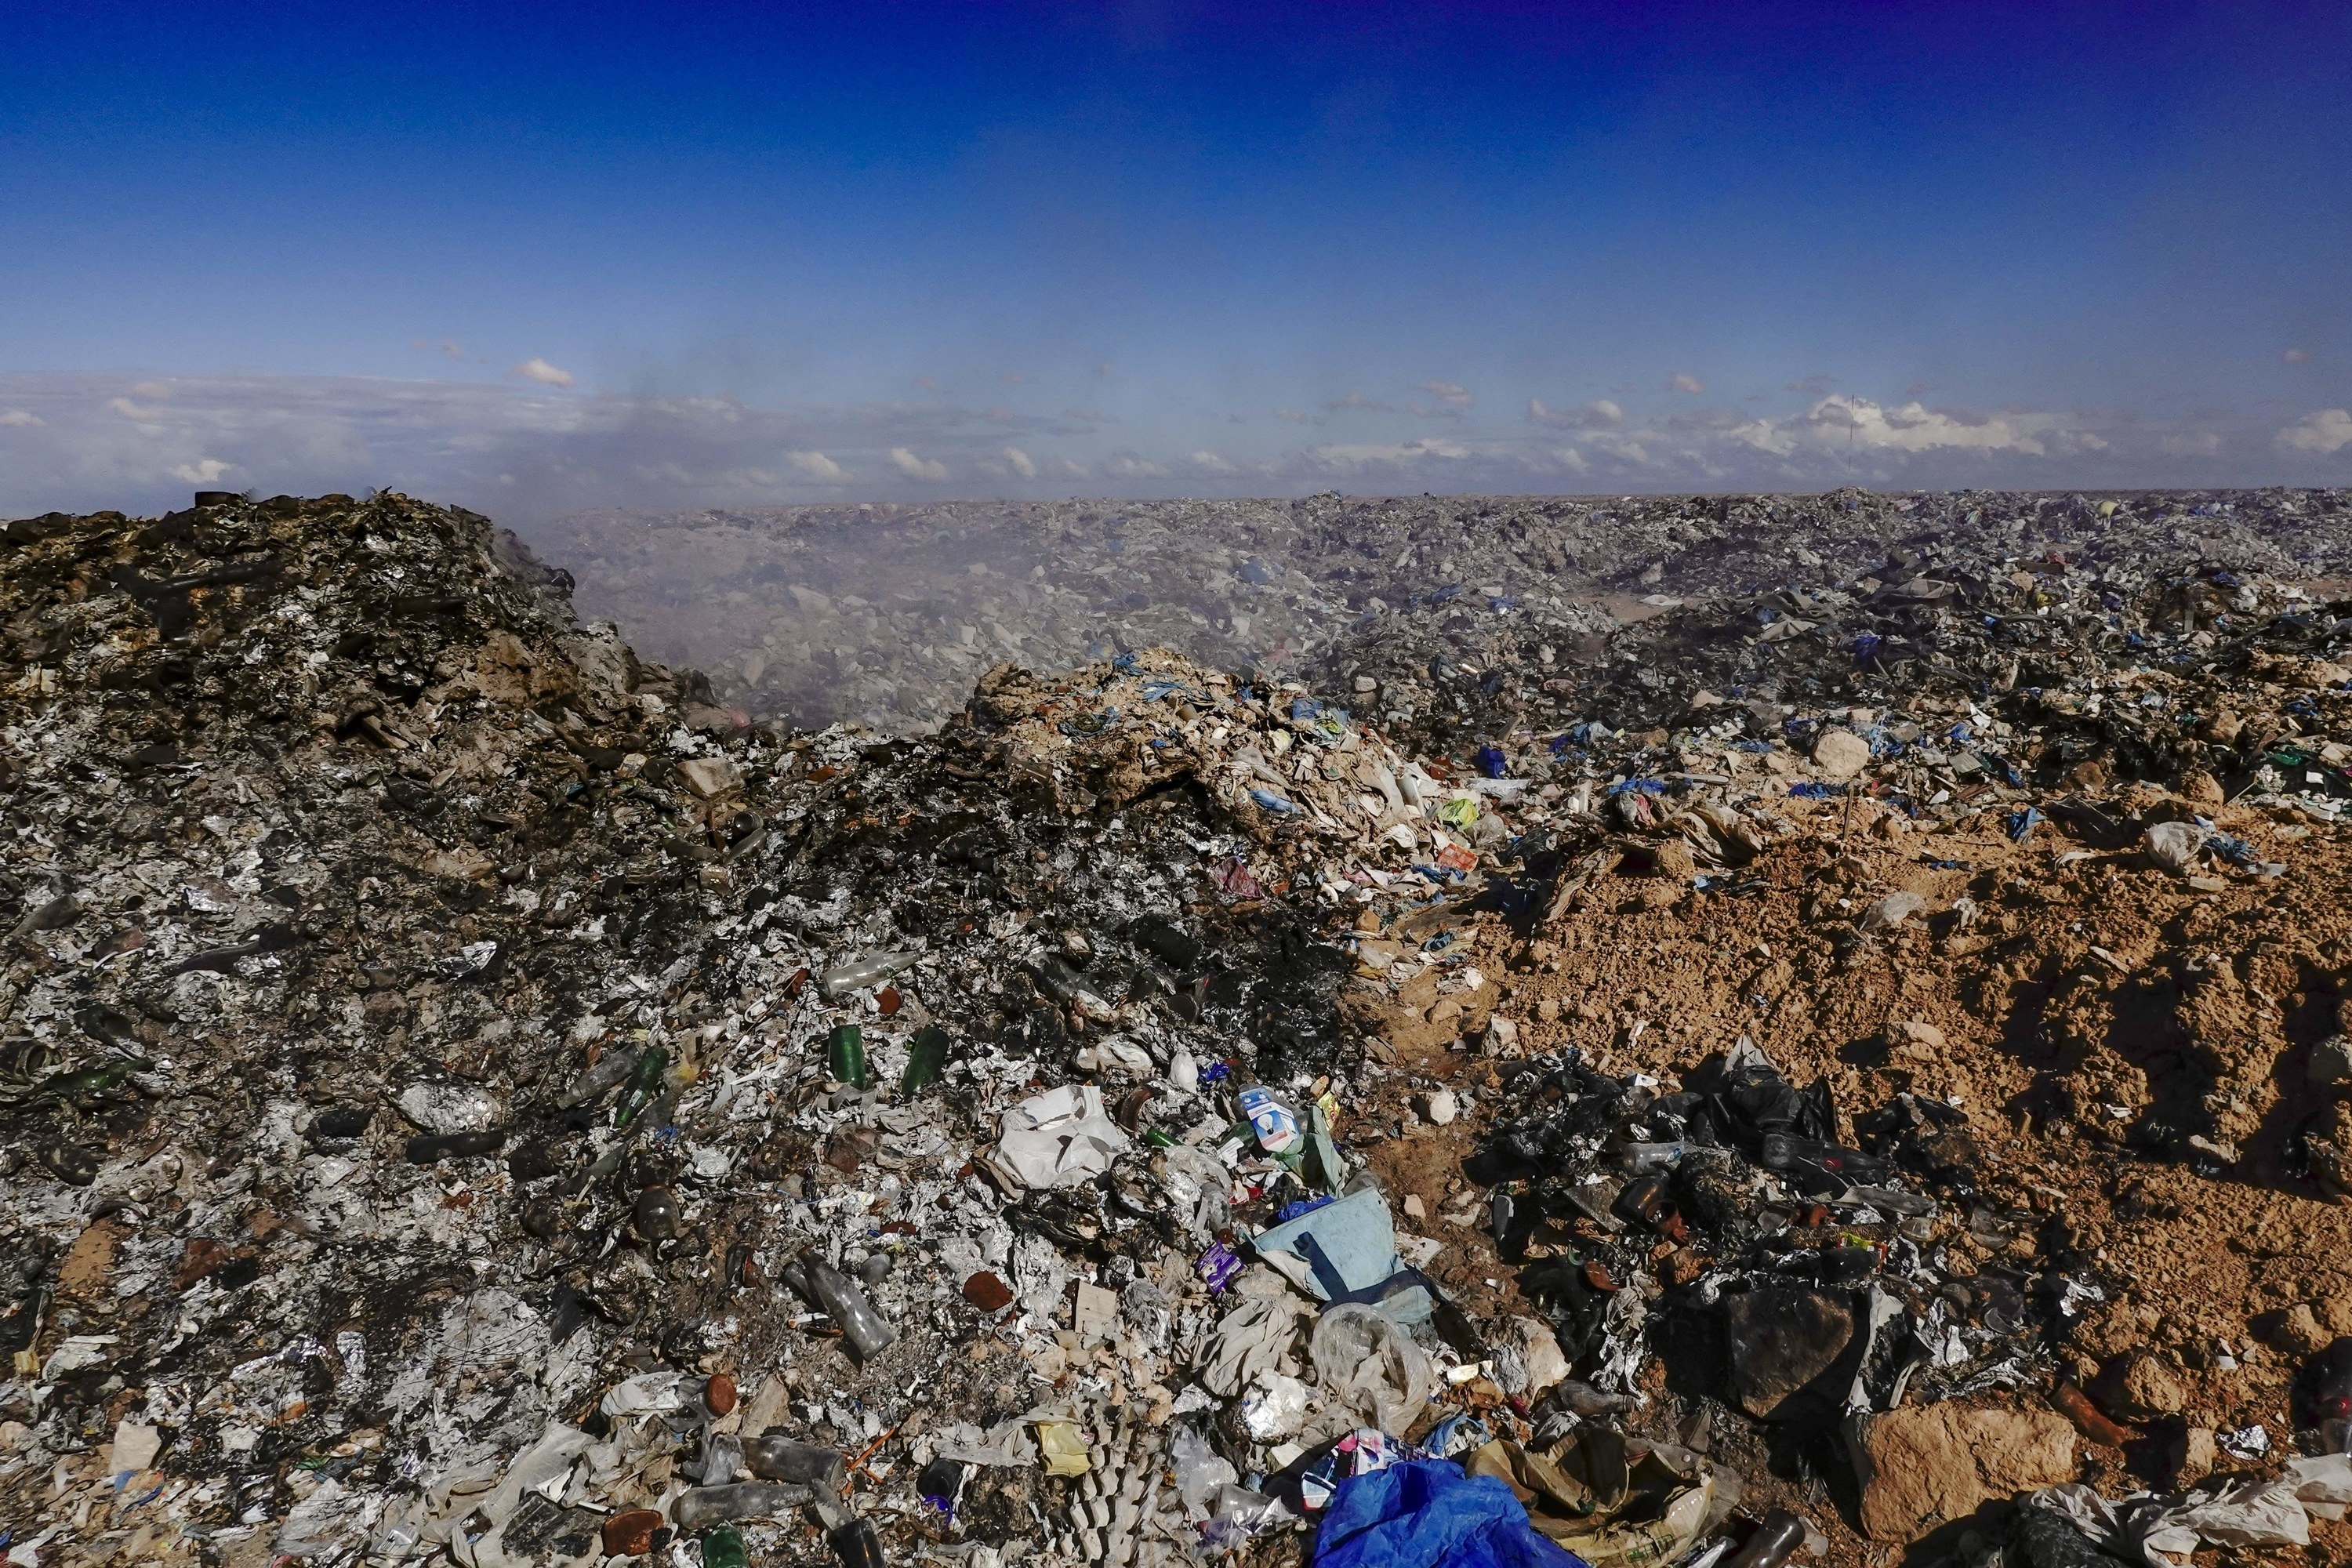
<point x="1427" y="1514"/>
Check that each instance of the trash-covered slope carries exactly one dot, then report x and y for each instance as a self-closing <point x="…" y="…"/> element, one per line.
<point x="470" y="1092"/>
<point x="1436" y="616"/>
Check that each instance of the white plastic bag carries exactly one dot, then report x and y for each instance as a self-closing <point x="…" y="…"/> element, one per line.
<point x="2174" y="846"/>
<point x="1367" y="1362"/>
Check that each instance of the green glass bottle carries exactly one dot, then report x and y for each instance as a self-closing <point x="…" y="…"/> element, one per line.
<point x="927" y="1057"/>
<point x="643" y="1084"/>
<point x="845" y="1055"/>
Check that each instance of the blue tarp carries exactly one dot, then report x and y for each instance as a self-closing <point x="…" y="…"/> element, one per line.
<point x="1426" y="1513"/>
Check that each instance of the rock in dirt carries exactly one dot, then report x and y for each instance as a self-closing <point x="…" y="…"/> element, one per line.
<point x="2300" y="1332"/>
<point x="2193" y="1455"/>
<point x="2331" y="1061"/>
<point x="1674" y="860"/>
<point x="1841" y="754"/>
<point x="1920" y="1466"/>
<point x="1910" y="1038"/>
<point x="2142" y="1385"/>
<point x="1779" y="1342"/>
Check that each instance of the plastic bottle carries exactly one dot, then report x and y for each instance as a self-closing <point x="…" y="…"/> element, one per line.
<point x="845" y="1055"/>
<point x="611" y="1069"/>
<point x="838" y="1296"/>
<point x="1775" y="1541"/>
<point x="722" y="1461"/>
<point x="1276" y="1124"/>
<point x="2330" y="1406"/>
<point x="776" y="1458"/>
<point x="941" y="1483"/>
<point x="1849" y="1167"/>
<point x="1641" y="1159"/>
<point x="395" y="1537"/>
<point x="701" y="1507"/>
<point x="859" y="973"/>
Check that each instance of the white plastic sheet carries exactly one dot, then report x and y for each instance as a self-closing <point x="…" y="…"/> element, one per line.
<point x="1059" y="1138"/>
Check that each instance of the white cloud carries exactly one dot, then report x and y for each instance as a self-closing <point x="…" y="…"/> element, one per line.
<point x="1856" y="424"/>
<point x="1679" y="382"/>
<point x="2326" y="431"/>
<point x="512" y="449"/>
<point x="1598" y="415"/>
<point x="2293" y="356"/>
<point x="1449" y="392"/>
<point x="508" y="448"/>
<point x="1370" y="454"/>
<point x="1125" y="465"/>
<point x="21" y="419"/>
<point x="449" y="346"/>
<point x="817" y="465"/>
<point x="157" y="390"/>
<point x="926" y="470"/>
<point x="1021" y="462"/>
<point x="546" y="374"/>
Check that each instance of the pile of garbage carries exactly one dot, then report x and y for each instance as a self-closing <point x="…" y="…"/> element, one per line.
<point x="472" y="1091"/>
<point x="1447" y="618"/>
<point x="885" y="615"/>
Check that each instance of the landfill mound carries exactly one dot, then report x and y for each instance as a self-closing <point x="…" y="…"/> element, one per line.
<point x="1439" y="619"/>
<point x="1874" y="1077"/>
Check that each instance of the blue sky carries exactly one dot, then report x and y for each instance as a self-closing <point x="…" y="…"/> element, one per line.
<point x="538" y="258"/>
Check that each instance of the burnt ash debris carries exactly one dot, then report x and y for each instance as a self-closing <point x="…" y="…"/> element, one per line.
<point x="471" y="1091"/>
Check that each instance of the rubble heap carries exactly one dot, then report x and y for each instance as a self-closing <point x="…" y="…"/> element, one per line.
<point x="472" y="1091"/>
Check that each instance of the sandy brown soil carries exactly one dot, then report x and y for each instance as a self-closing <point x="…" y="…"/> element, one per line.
<point x="2086" y="983"/>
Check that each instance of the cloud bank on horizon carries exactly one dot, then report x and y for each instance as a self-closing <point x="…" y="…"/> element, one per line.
<point x="1169" y="247"/>
<point x="519" y="454"/>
